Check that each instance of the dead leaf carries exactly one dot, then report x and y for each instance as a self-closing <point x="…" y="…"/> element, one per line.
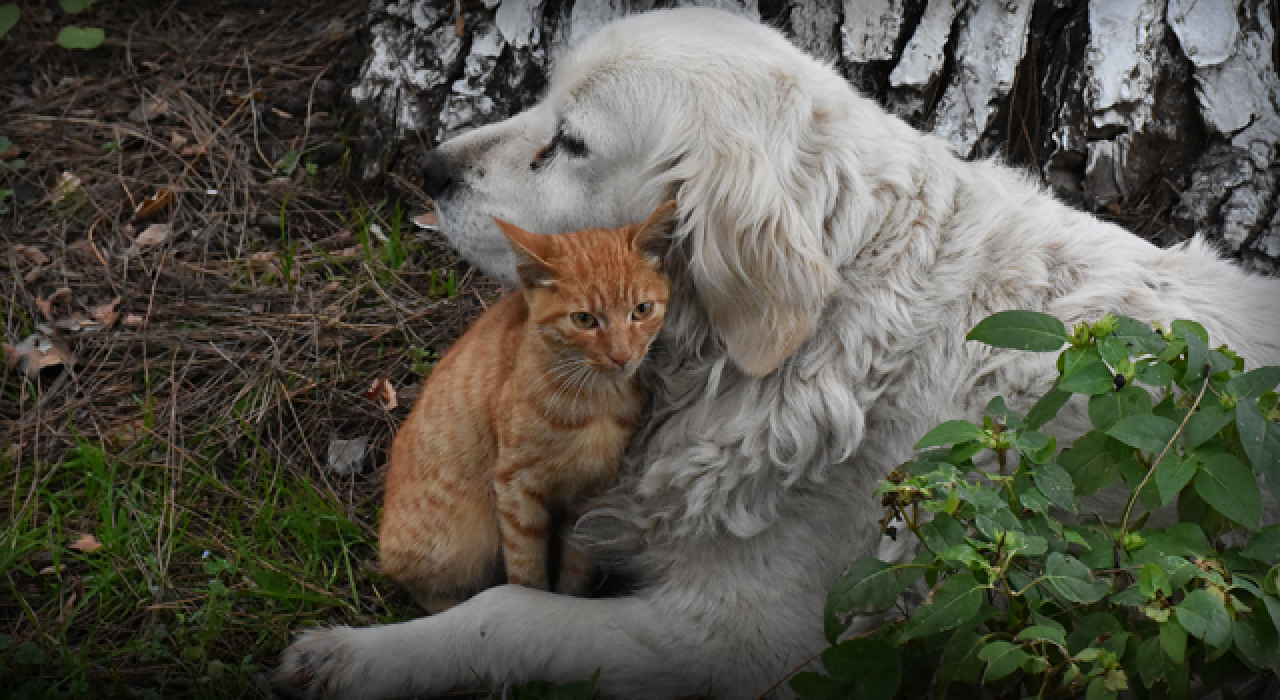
<point x="257" y="308"/>
<point x="279" y="182"/>
<point x="460" y="26"/>
<point x="75" y="323"/>
<point x="105" y="314"/>
<point x="281" y="113"/>
<point x="86" y="543"/>
<point x="383" y="393"/>
<point x="35" y="353"/>
<point x="51" y="569"/>
<point x="332" y="287"/>
<point x="68" y="609"/>
<point x="154" y="204"/>
<point x="147" y="110"/>
<point x="28" y="253"/>
<point x="345" y="456"/>
<point x="347" y="252"/>
<point x="68" y="184"/>
<point x="133" y="320"/>
<point x="155" y="234"/>
<point x="266" y="256"/>
<point x="240" y="98"/>
<point x="46" y="305"/>
<point x="177" y="140"/>
<point x="429" y="220"/>
<point x="33" y="274"/>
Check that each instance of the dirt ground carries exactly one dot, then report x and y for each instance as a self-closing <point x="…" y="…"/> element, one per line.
<point x="197" y="302"/>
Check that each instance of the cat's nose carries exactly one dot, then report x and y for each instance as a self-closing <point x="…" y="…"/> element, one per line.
<point x="439" y="173"/>
<point x="620" y="359"/>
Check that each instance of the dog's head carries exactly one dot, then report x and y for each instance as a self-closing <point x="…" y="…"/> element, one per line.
<point x="718" y="112"/>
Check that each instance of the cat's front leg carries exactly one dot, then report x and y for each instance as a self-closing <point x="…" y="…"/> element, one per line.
<point x="524" y="520"/>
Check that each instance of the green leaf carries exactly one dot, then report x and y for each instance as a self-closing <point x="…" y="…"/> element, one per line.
<point x="1093" y="462"/>
<point x="80" y="37"/>
<point x="1227" y="485"/>
<point x="1264" y="546"/>
<point x="950" y="432"/>
<point x="75" y="7"/>
<point x="1155" y="373"/>
<point x="1089" y="628"/>
<point x="870" y="586"/>
<point x="1145" y="432"/>
<point x="1002" y="659"/>
<point x="1204" y="616"/>
<point x="1073" y="580"/>
<point x="982" y="497"/>
<point x="1047" y="407"/>
<point x="1173" y="640"/>
<point x="1249" y="385"/>
<point x="1021" y="330"/>
<point x="870" y="666"/>
<point x="1097" y="552"/>
<point x="1206" y="423"/>
<point x="1255" y="638"/>
<point x="1033" y="499"/>
<point x="1183" y="328"/>
<point x="1042" y="633"/>
<point x="1149" y="661"/>
<point x="1089" y="375"/>
<point x="1179" y="570"/>
<point x="1260" y="439"/>
<point x="9" y="16"/>
<point x="1036" y="447"/>
<point x="815" y="686"/>
<point x="960" y="662"/>
<point x="1114" y="352"/>
<point x="1139" y="336"/>
<point x="1152" y="578"/>
<point x="996" y="407"/>
<point x="1181" y="540"/>
<point x="1055" y="483"/>
<point x="1197" y="354"/>
<point x="1106" y="409"/>
<point x="1097" y="690"/>
<point x="1172" y="475"/>
<point x="952" y="602"/>
<point x="942" y="532"/>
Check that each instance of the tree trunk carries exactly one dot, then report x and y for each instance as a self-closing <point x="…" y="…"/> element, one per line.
<point x="1161" y="115"/>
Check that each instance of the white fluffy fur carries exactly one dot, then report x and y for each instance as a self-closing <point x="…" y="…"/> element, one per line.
<point x="829" y="262"/>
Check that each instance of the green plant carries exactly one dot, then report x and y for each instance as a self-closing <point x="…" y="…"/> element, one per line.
<point x="1030" y="603"/>
<point x="69" y="37"/>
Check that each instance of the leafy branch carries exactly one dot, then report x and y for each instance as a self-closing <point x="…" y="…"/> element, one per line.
<point x="1028" y="598"/>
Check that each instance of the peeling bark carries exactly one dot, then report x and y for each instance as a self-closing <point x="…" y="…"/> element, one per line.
<point x="1160" y="114"/>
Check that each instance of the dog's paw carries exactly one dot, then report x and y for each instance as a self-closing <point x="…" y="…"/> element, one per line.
<point x="319" y="665"/>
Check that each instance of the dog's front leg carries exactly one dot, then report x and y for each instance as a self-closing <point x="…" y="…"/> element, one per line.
<point x="503" y="635"/>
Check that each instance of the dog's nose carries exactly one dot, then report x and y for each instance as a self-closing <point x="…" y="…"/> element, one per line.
<point x="439" y="172"/>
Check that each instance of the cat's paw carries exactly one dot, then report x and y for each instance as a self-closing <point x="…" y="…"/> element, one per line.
<point x="321" y="664"/>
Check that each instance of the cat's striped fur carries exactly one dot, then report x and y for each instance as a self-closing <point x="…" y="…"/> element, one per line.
<point x="527" y="413"/>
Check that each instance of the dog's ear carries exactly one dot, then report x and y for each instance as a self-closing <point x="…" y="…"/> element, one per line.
<point x="653" y="237"/>
<point x="531" y="251"/>
<point x="755" y="245"/>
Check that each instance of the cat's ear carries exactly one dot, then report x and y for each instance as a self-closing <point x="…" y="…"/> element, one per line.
<point x="653" y="237"/>
<point x="531" y="252"/>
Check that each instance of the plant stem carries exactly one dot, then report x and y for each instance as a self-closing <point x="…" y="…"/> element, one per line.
<point x="1133" y="498"/>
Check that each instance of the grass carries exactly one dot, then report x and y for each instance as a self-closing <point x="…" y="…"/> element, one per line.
<point x="167" y="515"/>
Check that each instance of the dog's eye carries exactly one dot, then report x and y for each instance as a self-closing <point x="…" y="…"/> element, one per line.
<point x="572" y="145"/>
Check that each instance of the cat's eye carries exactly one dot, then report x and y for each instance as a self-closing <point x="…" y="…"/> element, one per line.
<point x="584" y="320"/>
<point x="642" y="311"/>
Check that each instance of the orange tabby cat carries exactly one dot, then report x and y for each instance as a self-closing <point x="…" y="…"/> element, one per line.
<point x="528" y="412"/>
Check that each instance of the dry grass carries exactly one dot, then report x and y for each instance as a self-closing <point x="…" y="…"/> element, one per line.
<point x="188" y="432"/>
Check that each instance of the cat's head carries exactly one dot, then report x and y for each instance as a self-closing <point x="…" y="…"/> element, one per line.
<point x="599" y="294"/>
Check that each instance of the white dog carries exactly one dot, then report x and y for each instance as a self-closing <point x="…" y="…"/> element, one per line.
<point x="828" y="263"/>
